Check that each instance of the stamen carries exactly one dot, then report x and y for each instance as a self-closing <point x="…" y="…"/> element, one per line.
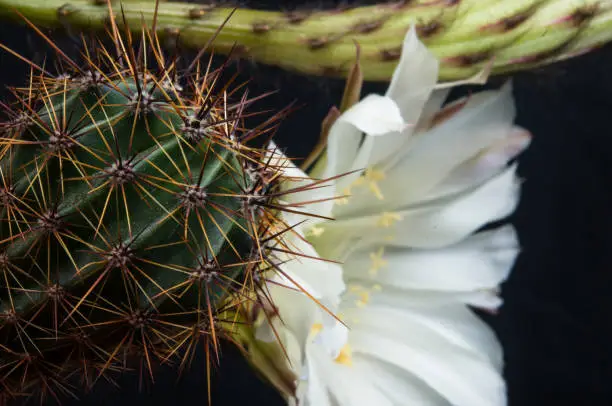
<point x="371" y="177"/>
<point x="345" y="356"/>
<point x="377" y="261"/>
<point x="387" y="219"/>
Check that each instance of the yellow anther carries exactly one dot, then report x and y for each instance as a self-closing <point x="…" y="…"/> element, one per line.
<point x="345" y="356"/>
<point x="377" y="288"/>
<point x="387" y="219"/>
<point x="315" y="231"/>
<point x="364" y="298"/>
<point x="343" y="200"/>
<point x="316" y="328"/>
<point x="377" y="261"/>
<point x="371" y="177"/>
<point x="355" y="288"/>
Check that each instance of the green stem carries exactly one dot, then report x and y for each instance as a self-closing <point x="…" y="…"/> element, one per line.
<point x="463" y="34"/>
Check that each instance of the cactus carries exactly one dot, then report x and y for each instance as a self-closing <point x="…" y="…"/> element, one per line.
<point x="134" y="205"/>
<point x="465" y="35"/>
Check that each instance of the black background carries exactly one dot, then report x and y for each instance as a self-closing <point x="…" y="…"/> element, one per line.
<point x="554" y="325"/>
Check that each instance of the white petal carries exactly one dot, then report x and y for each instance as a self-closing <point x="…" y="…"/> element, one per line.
<point x="347" y="387"/>
<point x="381" y="139"/>
<point x="485" y="299"/>
<point x="414" y="78"/>
<point x="297" y="313"/>
<point x="307" y="272"/>
<point x="430" y="109"/>
<point x="483" y="121"/>
<point x="397" y="384"/>
<point x="452" y="322"/>
<point x="430" y="226"/>
<point x="332" y="338"/>
<point x="463" y="379"/>
<point x="481" y="261"/>
<point x="412" y="173"/>
<point x="411" y="85"/>
<point x="451" y="222"/>
<point x="374" y="115"/>
<point x="313" y="391"/>
<point x="342" y="147"/>
<point x="397" y="298"/>
<point x="484" y="165"/>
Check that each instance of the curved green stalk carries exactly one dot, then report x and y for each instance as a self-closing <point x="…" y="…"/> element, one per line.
<point x="465" y="34"/>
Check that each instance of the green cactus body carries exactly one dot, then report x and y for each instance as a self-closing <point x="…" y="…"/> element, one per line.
<point x="466" y="35"/>
<point x="132" y="213"/>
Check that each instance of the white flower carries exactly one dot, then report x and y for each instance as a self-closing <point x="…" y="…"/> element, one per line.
<point x="413" y="256"/>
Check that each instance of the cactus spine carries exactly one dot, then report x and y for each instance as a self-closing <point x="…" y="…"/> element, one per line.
<point x="464" y="34"/>
<point x="135" y="210"/>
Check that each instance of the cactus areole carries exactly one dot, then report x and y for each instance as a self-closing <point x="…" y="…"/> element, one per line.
<point x="133" y="205"/>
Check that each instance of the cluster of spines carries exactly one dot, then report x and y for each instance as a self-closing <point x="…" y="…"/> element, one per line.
<point x="80" y="295"/>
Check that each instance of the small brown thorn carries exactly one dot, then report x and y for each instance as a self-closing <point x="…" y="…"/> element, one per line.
<point x="200" y="11"/>
<point x="65" y="10"/>
<point x="367" y="27"/>
<point x="330" y="71"/>
<point x="472" y="59"/>
<point x="261" y="27"/>
<point x="389" y="55"/>
<point x="318" y="42"/>
<point x="428" y="29"/>
<point x="583" y="14"/>
<point x="296" y="17"/>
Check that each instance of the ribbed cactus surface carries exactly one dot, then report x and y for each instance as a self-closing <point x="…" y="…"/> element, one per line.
<point x="132" y="209"/>
<point x="467" y="36"/>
